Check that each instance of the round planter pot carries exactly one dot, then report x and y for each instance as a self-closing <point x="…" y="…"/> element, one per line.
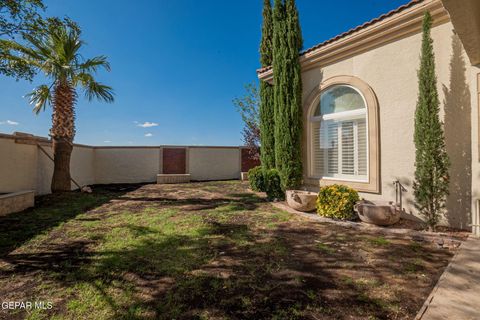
<point x="378" y="213"/>
<point x="300" y="200"/>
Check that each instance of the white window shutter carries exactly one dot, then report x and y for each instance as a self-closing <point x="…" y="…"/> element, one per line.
<point x="318" y="161"/>
<point x="362" y="147"/>
<point x="348" y="148"/>
<point x="332" y="162"/>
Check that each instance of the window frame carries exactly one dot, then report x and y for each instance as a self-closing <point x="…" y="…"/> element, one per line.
<point x="343" y="116"/>
<point x="370" y="185"/>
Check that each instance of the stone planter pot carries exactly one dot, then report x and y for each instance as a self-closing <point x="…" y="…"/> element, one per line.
<point x="378" y="213"/>
<point x="300" y="200"/>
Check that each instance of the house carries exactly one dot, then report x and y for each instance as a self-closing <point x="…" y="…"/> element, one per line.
<point x="359" y="96"/>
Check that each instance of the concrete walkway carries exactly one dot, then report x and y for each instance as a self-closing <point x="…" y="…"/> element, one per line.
<point x="457" y="293"/>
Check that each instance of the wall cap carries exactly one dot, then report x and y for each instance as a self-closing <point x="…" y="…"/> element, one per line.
<point x="27" y="138"/>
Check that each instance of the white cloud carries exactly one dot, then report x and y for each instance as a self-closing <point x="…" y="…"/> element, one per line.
<point x="10" y="123"/>
<point x="148" y="135"/>
<point x="146" y="124"/>
<point x="107" y="141"/>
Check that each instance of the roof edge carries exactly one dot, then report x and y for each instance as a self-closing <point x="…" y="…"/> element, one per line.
<point x="396" y="24"/>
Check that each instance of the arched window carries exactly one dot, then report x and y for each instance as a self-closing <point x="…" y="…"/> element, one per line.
<point x="339" y="141"/>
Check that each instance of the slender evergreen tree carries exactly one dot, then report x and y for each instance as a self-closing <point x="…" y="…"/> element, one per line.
<point x="267" y="121"/>
<point x="287" y="43"/>
<point x="431" y="159"/>
<point x="278" y="64"/>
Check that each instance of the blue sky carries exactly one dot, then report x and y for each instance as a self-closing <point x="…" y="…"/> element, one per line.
<point x="177" y="64"/>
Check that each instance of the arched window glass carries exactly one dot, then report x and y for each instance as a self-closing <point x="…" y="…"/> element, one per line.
<point x="339" y="99"/>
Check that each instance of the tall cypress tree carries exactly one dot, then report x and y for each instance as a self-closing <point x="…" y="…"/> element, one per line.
<point x="287" y="43"/>
<point x="431" y="159"/>
<point x="267" y="121"/>
<point x="279" y="72"/>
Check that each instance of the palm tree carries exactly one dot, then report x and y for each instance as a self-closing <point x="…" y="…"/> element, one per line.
<point x="56" y="54"/>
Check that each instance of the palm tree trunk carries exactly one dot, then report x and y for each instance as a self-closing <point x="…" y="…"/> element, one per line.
<point x="62" y="151"/>
<point x="62" y="133"/>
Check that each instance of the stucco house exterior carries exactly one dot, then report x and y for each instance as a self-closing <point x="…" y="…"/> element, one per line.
<point x="359" y="96"/>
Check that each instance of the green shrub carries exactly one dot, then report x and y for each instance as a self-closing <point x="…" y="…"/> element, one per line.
<point x="266" y="180"/>
<point x="337" y="201"/>
<point x="273" y="186"/>
<point x="256" y="179"/>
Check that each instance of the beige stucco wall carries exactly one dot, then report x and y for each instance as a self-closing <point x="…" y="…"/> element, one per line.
<point x="26" y="167"/>
<point x="391" y="71"/>
<point x="81" y="167"/>
<point x="475" y="99"/>
<point x="214" y="163"/>
<point x="126" y="165"/>
<point x="44" y="171"/>
<point x="17" y="166"/>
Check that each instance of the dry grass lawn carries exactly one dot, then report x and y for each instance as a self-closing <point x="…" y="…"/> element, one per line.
<point x="203" y="251"/>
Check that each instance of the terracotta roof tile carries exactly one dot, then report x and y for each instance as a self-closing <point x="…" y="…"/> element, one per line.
<point x="358" y="28"/>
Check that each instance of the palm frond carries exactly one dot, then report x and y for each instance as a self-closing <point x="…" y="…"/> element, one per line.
<point x="94" y="89"/>
<point x="40" y="97"/>
<point x="92" y="65"/>
<point x="38" y="46"/>
<point x="99" y="91"/>
<point x="12" y="47"/>
<point x="71" y="44"/>
<point x="12" y="59"/>
<point x="56" y="52"/>
<point x="83" y="79"/>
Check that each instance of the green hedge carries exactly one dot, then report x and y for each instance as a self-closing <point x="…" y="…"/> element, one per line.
<point x="256" y="179"/>
<point x="337" y="201"/>
<point x="273" y="185"/>
<point x="267" y="181"/>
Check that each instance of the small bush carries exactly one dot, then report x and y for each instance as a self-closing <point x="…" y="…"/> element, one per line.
<point x="337" y="201"/>
<point x="256" y="179"/>
<point x="273" y="186"/>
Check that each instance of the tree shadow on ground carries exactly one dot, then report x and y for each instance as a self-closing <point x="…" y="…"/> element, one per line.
<point x="242" y="201"/>
<point x="226" y="262"/>
<point x="51" y="211"/>
<point x="231" y="270"/>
